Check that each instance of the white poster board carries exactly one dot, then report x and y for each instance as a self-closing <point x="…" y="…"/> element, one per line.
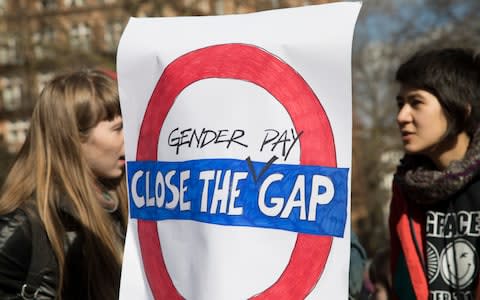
<point x="238" y="142"/>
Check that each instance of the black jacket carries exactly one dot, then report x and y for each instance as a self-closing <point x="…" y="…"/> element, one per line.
<point x="15" y="258"/>
<point x="16" y="253"/>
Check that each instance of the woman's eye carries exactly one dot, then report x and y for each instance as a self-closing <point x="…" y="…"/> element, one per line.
<point x="416" y="102"/>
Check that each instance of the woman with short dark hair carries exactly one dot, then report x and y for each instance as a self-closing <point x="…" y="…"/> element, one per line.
<point x="436" y="188"/>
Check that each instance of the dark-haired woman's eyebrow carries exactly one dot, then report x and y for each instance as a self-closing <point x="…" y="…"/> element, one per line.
<point x="413" y="96"/>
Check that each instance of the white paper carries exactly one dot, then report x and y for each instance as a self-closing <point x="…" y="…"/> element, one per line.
<point x="206" y="260"/>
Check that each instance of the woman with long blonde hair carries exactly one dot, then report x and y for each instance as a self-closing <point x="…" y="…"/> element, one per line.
<point x="63" y="206"/>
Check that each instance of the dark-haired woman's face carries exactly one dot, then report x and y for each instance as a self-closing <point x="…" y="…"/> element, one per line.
<point x="421" y="120"/>
<point x="104" y="149"/>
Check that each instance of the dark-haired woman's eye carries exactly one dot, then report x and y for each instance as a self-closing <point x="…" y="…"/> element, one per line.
<point x="415" y="102"/>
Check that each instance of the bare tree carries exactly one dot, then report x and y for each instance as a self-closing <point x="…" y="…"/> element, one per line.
<point x="387" y="33"/>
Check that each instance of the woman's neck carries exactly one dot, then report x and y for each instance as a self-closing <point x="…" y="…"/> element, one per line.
<point x="107" y="197"/>
<point x="452" y="150"/>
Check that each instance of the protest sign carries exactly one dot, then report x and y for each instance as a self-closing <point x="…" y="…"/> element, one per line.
<point x="238" y="142"/>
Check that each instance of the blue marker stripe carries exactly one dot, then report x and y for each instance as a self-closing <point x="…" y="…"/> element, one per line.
<point x="304" y="199"/>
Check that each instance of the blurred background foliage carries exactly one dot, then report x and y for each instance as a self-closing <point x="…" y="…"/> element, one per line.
<point x="386" y="34"/>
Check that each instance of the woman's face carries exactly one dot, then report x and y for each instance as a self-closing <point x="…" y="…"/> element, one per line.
<point x="421" y="120"/>
<point x="104" y="149"/>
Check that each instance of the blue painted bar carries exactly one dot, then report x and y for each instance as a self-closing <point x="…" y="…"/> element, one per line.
<point x="303" y="199"/>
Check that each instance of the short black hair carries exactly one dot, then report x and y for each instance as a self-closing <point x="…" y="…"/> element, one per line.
<point x="453" y="76"/>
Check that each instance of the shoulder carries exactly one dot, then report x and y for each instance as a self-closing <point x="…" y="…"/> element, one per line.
<point x="15" y="233"/>
<point x="15" y="250"/>
<point x="474" y="186"/>
<point x="14" y="223"/>
<point x="469" y="195"/>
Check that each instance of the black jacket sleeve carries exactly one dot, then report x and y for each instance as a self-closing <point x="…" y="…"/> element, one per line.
<point x="15" y="252"/>
<point x="15" y="257"/>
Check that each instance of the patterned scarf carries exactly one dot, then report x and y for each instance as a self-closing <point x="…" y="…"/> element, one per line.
<point x="425" y="184"/>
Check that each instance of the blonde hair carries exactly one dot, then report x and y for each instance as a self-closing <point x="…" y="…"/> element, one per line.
<point x="51" y="169"/>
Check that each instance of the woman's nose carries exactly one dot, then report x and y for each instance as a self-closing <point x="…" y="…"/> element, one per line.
<point x="404" y="115"/>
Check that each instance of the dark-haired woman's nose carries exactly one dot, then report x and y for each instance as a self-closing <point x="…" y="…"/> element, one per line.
<point x="404" y="115"/>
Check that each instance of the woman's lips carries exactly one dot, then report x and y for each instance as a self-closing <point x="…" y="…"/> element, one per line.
<point x="406" y="135"/>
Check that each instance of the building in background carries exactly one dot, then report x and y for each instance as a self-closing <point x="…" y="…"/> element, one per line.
<point x="40" y="38"/>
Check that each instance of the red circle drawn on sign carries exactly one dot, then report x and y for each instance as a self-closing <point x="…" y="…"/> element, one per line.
<point x="252" y="64"/>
